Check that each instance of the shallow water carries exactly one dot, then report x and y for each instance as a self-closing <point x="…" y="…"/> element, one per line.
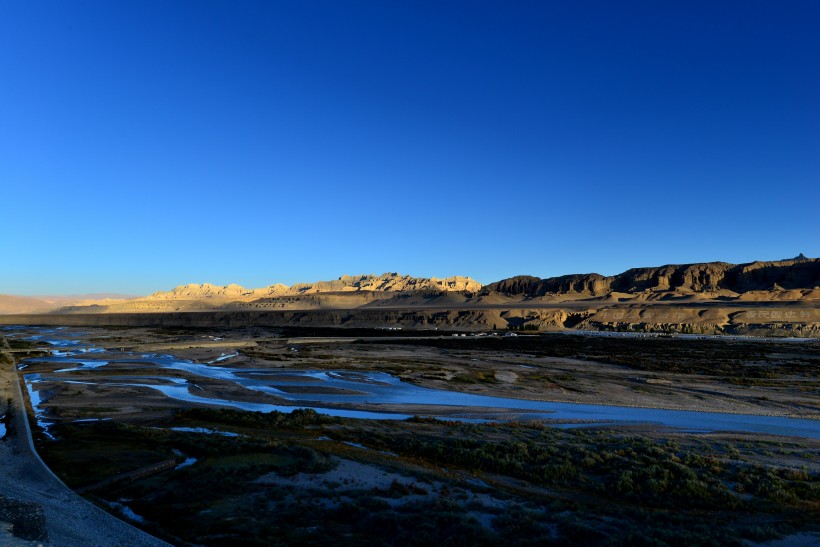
<point x="323" y="390"/>
<point x="205" y="430"/>
<point x="36" y="400"/>
<point x="127" y="511"/>
<point x="189" y="461"/>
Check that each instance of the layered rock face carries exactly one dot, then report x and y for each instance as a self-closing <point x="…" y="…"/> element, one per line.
<point x="797" y="273"/>
<point x="194" y="291"/>
<point x="388" y="282"/>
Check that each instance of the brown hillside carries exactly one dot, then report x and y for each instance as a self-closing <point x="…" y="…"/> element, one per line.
<point x="710" y="277"/>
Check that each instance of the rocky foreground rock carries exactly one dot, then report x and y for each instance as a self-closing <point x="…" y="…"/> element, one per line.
<point x="26" y="520"/>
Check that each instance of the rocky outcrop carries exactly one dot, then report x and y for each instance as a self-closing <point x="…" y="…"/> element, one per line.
<point x="388" y="282"/>
<point x="344" y="292"/>
<point x="709" y="277"/>
<point x="194" y="291"/>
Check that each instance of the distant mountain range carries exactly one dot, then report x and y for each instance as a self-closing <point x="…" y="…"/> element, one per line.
<point x="783" y="280"/>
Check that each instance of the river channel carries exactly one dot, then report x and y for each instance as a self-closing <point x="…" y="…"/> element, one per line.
<point x="325" y="391"/>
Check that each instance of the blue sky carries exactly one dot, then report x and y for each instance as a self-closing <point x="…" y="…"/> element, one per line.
<point x="146" y="144"/>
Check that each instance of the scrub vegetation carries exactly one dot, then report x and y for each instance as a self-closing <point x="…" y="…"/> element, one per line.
<point x="519" y="483"/>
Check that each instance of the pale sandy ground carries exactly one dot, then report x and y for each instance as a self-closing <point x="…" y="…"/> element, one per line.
<point x="350" y="477"/>
<point x="193" y="345"/>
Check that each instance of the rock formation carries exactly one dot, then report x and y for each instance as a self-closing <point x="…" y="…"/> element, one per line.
<point x="768" y="298"/>
<point x="388" y="282"/>
<point x="709" y="277"/>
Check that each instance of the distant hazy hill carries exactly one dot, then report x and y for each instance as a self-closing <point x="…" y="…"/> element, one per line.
<point x="22" y="304"/>
<point x="79" y="298"/>
<point x="42" y="304"/>
<point x="709" y="277"/>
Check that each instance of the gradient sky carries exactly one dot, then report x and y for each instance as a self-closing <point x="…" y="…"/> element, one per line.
<point x="147" y="144"/>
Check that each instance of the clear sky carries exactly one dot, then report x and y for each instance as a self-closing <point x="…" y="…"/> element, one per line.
<point x="147" y="144"/>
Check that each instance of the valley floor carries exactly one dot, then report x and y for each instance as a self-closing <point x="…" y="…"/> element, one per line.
<point x="217" y="476"/>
